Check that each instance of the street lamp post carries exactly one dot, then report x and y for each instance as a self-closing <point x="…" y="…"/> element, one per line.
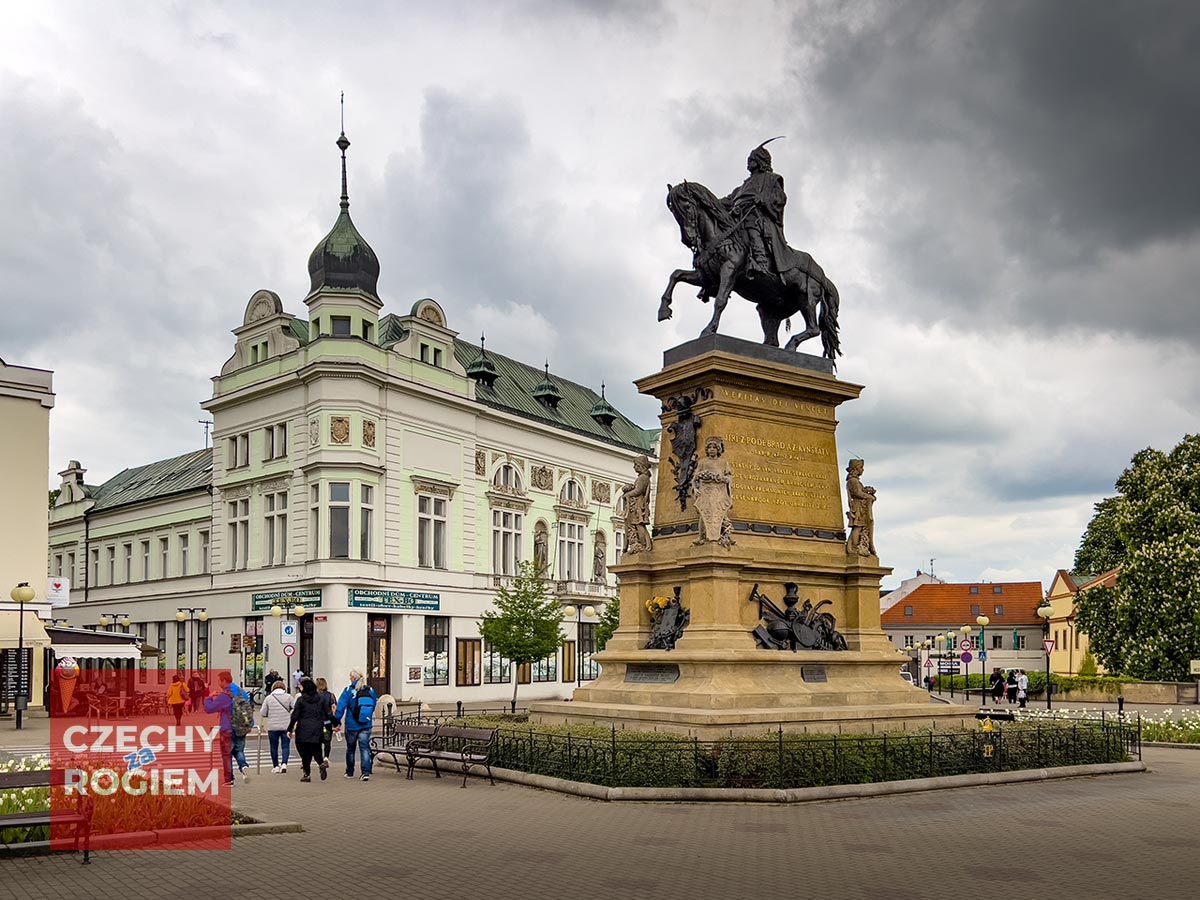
<point x="952" y="658"/>
<point x="577" y="611"/>
<point x="121" y="619"/>
<point x="21" y="595"/>
<point x="1044" y="612"/>
<point x="291" y="607"/>
<point x="983" y="624"/>
<point x="937" y="640"/>
<point x="191" y="614"/>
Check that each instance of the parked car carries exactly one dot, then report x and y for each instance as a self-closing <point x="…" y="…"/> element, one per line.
<point x="907" y="676"/>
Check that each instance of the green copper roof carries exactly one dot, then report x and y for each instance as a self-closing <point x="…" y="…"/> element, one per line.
<point x="514" y="388"/>
<point x="178" y="475"/>
<point x="343" y="259"/>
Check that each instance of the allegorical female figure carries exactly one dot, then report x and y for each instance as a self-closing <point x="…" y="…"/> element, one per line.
<point x="861" y="515"/>
<point x="637" y="508"/>
<point x="712" y="488"/>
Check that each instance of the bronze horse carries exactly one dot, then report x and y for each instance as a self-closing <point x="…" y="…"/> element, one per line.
<point x="719" y="248"/>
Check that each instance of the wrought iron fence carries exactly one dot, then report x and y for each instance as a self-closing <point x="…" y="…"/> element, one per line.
<point x="781" y="760"/>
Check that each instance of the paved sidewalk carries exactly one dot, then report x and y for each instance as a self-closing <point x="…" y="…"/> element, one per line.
<point x="1105" y="838"/>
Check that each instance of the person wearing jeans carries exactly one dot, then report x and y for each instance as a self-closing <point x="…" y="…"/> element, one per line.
<point x="275" y="717"/>
<point x="356" y="714"/>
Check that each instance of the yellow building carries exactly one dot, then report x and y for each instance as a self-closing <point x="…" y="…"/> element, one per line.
<point x="1070" y="643"/>
<point x="26" y="398"/>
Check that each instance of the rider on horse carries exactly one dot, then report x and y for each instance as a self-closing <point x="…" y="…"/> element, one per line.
<point x="758" y="205"/>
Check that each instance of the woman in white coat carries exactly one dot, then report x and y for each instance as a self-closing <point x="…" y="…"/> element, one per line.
<point x="276" y="717"/>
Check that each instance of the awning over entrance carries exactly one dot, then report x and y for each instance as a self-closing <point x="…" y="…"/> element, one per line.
<point x="97" y="651"/>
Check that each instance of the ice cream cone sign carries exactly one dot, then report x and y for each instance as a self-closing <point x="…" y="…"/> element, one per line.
<point x="68" y="672"/>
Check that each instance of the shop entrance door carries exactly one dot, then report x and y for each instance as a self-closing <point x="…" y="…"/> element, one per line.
<point x="306" y="646"/>
<point x="379" y="635"/>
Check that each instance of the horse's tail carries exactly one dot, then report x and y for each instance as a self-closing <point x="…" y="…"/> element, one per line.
<point x="827" y="321"/>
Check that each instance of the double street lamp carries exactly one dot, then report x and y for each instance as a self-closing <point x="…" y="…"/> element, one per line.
<point x="191" y="614"/>
<point x="21" y="595"/>
<point x="121" y="619"/>
<point x="577" y="611"/>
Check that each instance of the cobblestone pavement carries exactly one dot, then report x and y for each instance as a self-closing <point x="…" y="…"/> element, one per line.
<point x="1123" y="837"/>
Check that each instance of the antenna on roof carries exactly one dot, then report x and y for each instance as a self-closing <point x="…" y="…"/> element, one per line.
<point x="931" y="566"/>
<point x="207" y="423"/>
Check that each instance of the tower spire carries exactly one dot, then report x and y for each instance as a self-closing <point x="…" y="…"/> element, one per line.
<point x="343" y="142"/>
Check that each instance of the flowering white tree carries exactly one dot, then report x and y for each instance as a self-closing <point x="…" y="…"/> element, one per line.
<point x="1148" y="625"/>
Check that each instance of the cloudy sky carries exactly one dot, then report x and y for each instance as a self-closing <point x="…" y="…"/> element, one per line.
<point x="1005" y="193"/>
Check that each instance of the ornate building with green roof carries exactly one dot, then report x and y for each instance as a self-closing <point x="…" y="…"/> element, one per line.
<point x="373" y="480"/>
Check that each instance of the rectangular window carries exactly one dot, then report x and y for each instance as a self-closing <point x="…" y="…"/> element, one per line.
<point x="523" y="674"/>
<point x="437" y="357"/>
<point x="127" y="552"/>
<point x="339" y="326"/>
<point x="1076" y="635"/>
<point x="425" y="353"/>
<point x="437" y="650"/>
<point x="546" y="669"/>
<point x="314" y="522"/>
<point x="146" y="574"/>
<point x="908" y="610"/>
<point x="184" y="540"/>
<point x="975" y="609"/>
<point x="496" y="669"/>
<point x="570" y="551"/>
<point x="58" y="565"/>
<point x="506" y="541"/>
<point x="618" y="546"/>
<point x="974" y="589"/>
<point x="143" y="636"/>
<point x="366" y="515"/>
<point x="238" y="451"/>
<point x="997" y="642"/>
<point x="468" y="662"/>
<point x="1020" y="642"/>
<point x="339" y="520"/>
<point x="275" y="528"/>
<point x="205" y="557"/>
<point x="588" y="670"/>
<point x="569" y="651"/>
<point x="164" y="557"/>
<point x="275" y="442"/>
<point x="975" y="642"/>
<point x="239" y="533"/>
<point x="997" y="589"/>
<point x="162" y="652"/>
<point x="112" y="565"/>
<point x="908" y="641"/>
<point x="70" y="573"/>
<point x="367" y="331"/>
<point x="201" y="633"/>
<point x="95" y="566"/>
<point x="181" y="654"/>
<point x="999" y="610"/>
<point x="431" y="532"/>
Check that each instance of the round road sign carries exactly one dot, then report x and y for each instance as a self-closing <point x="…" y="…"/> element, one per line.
<point x="964" y="644"/>
<point x="289" y="650"/>
<point x="966" y="657"/>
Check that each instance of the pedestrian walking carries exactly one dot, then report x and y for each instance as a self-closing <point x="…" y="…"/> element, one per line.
<point x="198" y="688"/>
<point x="997" y="685"/>
<point x="177" y="697"/>
<point x="241" y="721"/>
<point x="309" y="715"/>
<point x="1010" y="686"/>
<point x="331" y="721"/>
<point x="276" y="716"/>
<point x="1023" y="688"/>
<point x="296" y="676"/>
<point x="269" y="682"/>
<point x="221" y="702"/>
<point x="356" y="714"/>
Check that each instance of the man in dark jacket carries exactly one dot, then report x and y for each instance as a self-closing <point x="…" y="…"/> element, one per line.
<point x="309" y="715"/>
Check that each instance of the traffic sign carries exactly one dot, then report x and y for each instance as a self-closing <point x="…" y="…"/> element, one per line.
<point x="966" y="657"/>
<point x="288" y="633"/>
<point x="1048" y="646"/>
<point x="983" y="654"/>
<point x="965" y="644"/>
<point x="289" y="650"/>
<point x="929" y="663"/>
<point x="1194" y="667"/>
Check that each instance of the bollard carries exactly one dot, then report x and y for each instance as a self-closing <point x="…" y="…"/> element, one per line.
<point x="514" y="707"/>
<point x="459" y="704"/>
<point x="1120" y="705"/>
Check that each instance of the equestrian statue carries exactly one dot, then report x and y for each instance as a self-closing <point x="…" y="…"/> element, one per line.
<point x="738" y="246"/>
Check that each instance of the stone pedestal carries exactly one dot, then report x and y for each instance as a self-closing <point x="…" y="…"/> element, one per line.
<point x="776" y="413"/>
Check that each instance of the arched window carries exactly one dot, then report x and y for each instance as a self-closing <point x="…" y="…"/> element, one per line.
<point x="508" y="477"/>
<point x="571" y="492"/>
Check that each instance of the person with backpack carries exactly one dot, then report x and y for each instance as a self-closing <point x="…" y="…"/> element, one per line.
<point x="276" y="716"/>
<point x="221" y="702"/>
<point x="241" y="721"/>
<point x="355" y="714"/>
<point x="312" y="710"/>
<point x="177" y="697"/>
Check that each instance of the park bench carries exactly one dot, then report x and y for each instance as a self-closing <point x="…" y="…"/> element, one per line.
<point x="80" y="820"/>
<point x="462" y="746"/>
<point x="396" y="737"/>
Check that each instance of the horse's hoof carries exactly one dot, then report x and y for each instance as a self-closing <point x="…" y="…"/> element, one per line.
<point x="664" y="313"/>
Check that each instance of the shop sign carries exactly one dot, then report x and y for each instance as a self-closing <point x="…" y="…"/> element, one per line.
<point x="264" y="601"/>
<point x="368" y="599"/>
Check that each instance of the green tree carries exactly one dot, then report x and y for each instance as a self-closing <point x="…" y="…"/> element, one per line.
<point x="1101" y="548"/>
<point x="1087" y="666"/>
<point x="524" y="627"/>
<point x="610" y="618"/>
<point x="1148" y="625"/>
<point x="54" y="496"/>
